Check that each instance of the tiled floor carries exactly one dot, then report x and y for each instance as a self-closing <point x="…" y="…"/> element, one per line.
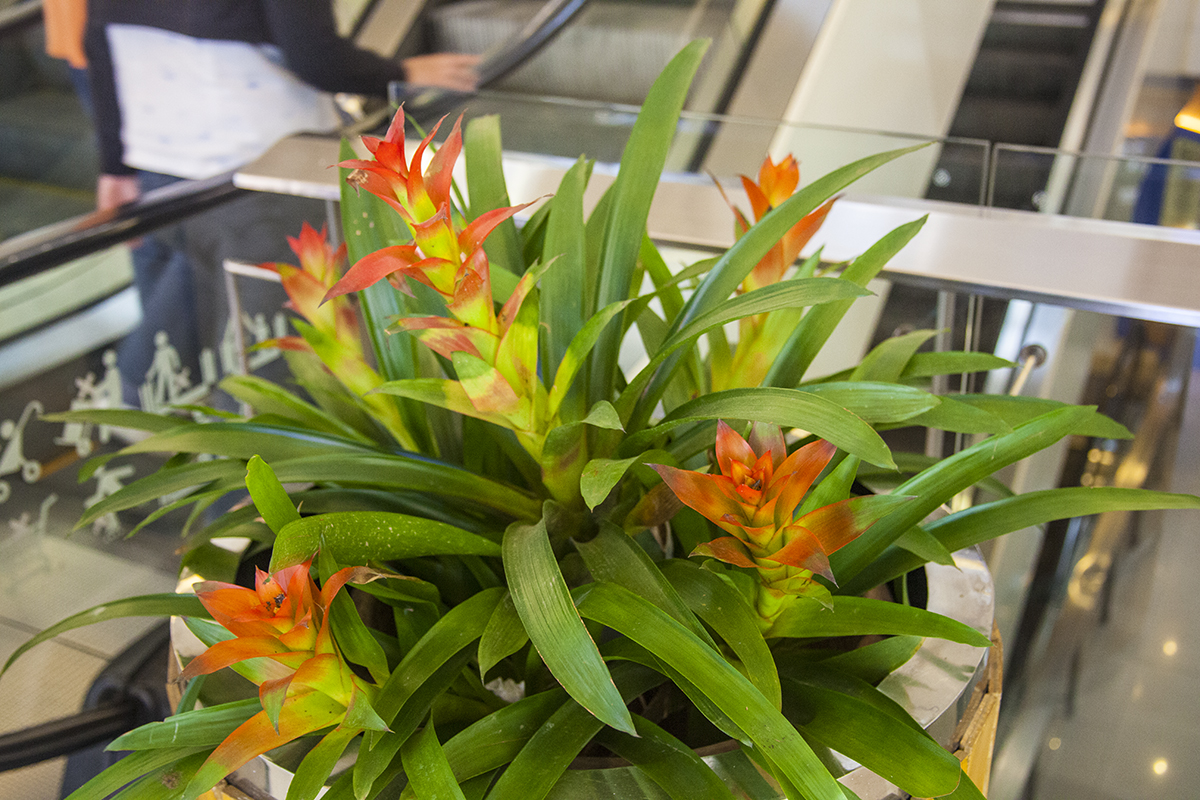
<point x="1134" y="732"/>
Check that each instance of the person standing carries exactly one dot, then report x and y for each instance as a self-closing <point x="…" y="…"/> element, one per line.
<point x="195" y="88"/>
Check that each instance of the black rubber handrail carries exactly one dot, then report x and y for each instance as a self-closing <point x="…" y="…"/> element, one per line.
<point x="63" y="736"/>
<point x="549" y="21"/>
<point x="546" y="24"/>
<point x="19" y="16"/>
<point x="50" y="246"/>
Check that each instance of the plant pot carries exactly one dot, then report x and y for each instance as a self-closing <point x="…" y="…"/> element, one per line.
<point x="929" y="686"/>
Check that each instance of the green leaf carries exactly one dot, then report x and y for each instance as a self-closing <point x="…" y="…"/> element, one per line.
<point x="433" y="663"/>
<point x="503" y="636"/>
<point x="874" y="662"/>
<point x="562" y="301"/>
<point x="819" y="323"/>
<point x="266" y="397"/>
<point x="204" y="727"/>
<point x="121" y="418"/>
<point x="600" y="476"/>
<point x="937" y="484"/>
<point x="719" y="680"/>
<point x="953" y="415"/>
<point x="1017" y="410"/>
<point x="488" y="191"/>
<point x="414" y="473"/>
<point x="135" y="765"/>
<point x="270" y="498"/>
<point x="887" y="360"/>
<point x="316" y="766"/>
<point x="984" y="522"/>
<point x="787" y="294"/>
<point x="613" y="557"/>
<point x="552" y="748"/>
<point x="580" y="345"/>
<point x="726" y="611"/>
<point x="877" y="402"/>
<point x="925" y="546"/>
<point x="147" y="605"/>
<point x="356" y="537"/>
<point x="670" y="763"/>
<point x="774" y="297"/>
<point x="788" y="408"/>
<point x="740" y="259"/>
<point x="862" y="616"/>
<point x="428" y="771"/>
<point x="167" y="480"/>
<point x="927" y="365"/>
<point x="496" y="739"/>
<point x="544" y="604"/>
<point x="853" y="718"/>
<point x="632" y="192"/>
<point x="245" y="439"/>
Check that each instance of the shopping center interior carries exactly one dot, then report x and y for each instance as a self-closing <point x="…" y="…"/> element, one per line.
<point x="1063" y="193"/>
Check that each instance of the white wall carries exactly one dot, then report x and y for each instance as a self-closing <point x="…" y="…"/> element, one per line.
<point x="1176" y="46"/>
<point x="887" y="65"/>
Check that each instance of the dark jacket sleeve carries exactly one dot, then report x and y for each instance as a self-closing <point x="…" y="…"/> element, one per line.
<point x="107" y="111"/>
<point x="306" y="33"/>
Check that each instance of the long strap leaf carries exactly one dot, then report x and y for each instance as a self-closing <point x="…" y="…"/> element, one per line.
<point x="722" y="281"/>
<point x="937" y="484"/>
<point x="653" y="629"/>
<point x="488" y="191"/>
<point x="544" y="604"/>
<point x="789" y="408"/>
<point x="818" y="324"/>
<point x="989" y="520"/>
<point x="147" y="605"/>
<point x="637" y="181"/>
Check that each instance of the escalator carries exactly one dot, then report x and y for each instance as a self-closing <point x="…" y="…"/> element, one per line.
<point x="1021" y="90"/>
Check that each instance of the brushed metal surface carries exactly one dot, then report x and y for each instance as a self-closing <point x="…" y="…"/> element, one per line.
<point x="1130" y="270"/>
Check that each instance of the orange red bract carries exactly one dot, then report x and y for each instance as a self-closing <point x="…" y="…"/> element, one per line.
<point x="282" y="642"/>
<point x="754" y="498"/>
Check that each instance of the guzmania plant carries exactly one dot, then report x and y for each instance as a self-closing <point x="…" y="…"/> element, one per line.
<point x="558" y="567"/>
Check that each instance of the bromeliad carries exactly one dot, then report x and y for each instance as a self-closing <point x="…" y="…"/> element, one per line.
<point x="331" y="330"/>
<point x="761" y="336"/>
<point x="283" y="642"/>
<point x="755" y="496"/>
<point x="494" y="354"/>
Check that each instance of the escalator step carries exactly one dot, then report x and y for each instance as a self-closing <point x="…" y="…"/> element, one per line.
<point x="1031" y="122"/>
<point x="1014" y="72"/>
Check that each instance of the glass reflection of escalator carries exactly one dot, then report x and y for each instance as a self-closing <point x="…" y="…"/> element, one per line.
<point x="1020" y="91"/>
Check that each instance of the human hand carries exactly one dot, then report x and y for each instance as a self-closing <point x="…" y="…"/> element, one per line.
<point x="445" y="70"/>
<point x="116" y="190"/>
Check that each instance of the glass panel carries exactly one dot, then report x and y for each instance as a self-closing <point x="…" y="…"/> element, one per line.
<point x="707" y="144"/>
<point x="1155" y="191"/>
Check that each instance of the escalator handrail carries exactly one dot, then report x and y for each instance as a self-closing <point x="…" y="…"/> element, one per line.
<point x="549" y="21"/>
<point x="546" y="24"/>
<point x="19" y="16"/>
<point x="53" y="245"/>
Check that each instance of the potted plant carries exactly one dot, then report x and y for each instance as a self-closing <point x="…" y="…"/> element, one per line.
<point x="567" y="560"/>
